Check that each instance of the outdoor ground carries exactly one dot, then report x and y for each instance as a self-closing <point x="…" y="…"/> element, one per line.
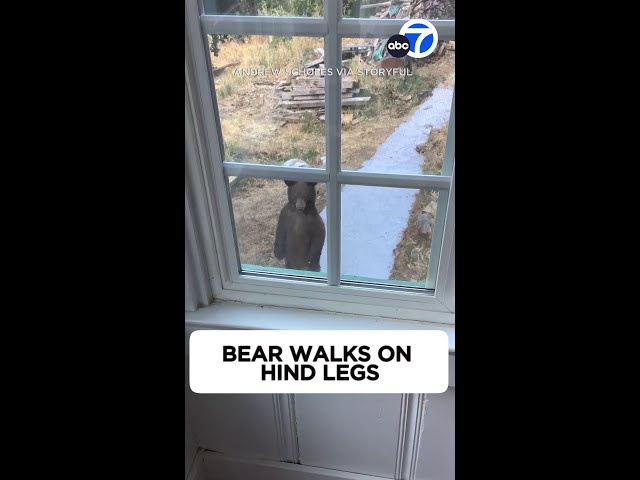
<point x="411" y="256"/>
<point x="253" y="132"/>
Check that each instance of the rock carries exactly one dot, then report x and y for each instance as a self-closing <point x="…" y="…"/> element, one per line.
<point x="295" y="162"/>
<point x="423" y="222"/>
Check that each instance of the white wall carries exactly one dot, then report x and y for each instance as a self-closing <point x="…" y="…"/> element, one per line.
<point x="354" y="433"/>
<point x="436" y="460"/>
<point x="241" y="425"/>
<point x="351" y="433"/>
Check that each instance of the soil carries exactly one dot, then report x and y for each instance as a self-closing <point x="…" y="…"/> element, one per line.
<point x="252" y="133"/>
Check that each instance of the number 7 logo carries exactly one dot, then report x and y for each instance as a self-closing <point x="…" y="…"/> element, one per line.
<point x="423" y="37"/>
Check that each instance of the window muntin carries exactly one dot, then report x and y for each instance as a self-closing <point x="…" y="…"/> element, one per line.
<point x="333" y="175"/>
<point x="263" y="218"/>
<point x="386" y="234"/>
<point x="394" y="129"/>
<point x="279" y="8"/>
<point x="252" y="77"/>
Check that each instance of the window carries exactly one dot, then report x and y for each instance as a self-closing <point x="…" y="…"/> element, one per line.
<point x="260" y="125"/>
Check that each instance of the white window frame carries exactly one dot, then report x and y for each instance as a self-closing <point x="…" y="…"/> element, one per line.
<point x="211" y="250"/>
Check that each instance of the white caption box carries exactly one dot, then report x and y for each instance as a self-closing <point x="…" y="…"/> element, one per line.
<point x="347" y="370"/>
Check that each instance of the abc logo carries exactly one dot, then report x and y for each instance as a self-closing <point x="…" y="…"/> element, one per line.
<point x="422" y="36"/>
<point x="398" y="46"/>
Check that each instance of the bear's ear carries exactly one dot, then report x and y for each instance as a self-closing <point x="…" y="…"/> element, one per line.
<point x="290" y="183"/>
<point x="312" y="184"/>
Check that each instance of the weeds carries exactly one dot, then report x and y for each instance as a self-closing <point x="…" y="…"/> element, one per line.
<point x="296" y="8"/>
<point x="411" y="256"/>
<point x="235" y="153"/>
<point x="247" y="106"/>
<point x="311" y="124"/>
<point x="226" y="90"/>
<point x="260" y="52"/>
<point x="393" y="95"/>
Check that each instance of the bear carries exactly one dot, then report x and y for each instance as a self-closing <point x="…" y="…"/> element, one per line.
<point x="300" y="232"/>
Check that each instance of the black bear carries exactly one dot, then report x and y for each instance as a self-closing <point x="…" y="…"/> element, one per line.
<point x="300" y="232"/>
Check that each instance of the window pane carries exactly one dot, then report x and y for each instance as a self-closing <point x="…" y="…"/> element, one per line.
<point x="277" y="226"/>
<point x="267" y="114"/>
<point x="388" y="133"/>
<point x="386" y="234"/>
<point x="278" y="8"/>
<point x="427" y="9"/>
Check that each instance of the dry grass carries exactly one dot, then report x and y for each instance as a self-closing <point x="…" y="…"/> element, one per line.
<point x="252" y="133"/>
<point x="433" y="150"/>
<point x="246" y="103"/>
<point x="380" y="119"/>
<point x="260" y="51"/>
<point x="443" y="68"/>
<point x="411" y="256"/>
<point x="256" y="206"/>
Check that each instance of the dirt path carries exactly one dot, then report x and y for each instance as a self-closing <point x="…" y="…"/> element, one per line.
<point x="373" y="218"/>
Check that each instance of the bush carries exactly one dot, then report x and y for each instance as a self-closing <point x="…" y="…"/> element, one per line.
<point x="295" y="8"/>
<point x="311" y="124"/>
<point x="216" y="40"/>
<point x="276" y="8"/>
<point x="301" y="8"/>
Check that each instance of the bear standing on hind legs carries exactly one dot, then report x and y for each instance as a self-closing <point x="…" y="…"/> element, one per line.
<point x="300" y="232"/>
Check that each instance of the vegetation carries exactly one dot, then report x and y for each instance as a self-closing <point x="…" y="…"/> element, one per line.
<point x="393" y="95"/>
<point x="254" y="131"/>
<point x="411" y="256"/>
<point x="273" y="8"/>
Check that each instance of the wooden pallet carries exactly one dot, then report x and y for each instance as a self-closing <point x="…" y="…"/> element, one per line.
<point x="308" y="93"/>
<point x="346" y="101"/>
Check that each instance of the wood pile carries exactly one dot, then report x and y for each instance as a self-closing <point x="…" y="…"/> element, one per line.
<point x="308" y="92"/>
<point x="305" y="93"/>
<point x="426" y="9"/>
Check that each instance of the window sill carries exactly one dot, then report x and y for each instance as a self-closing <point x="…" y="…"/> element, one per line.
<point x="233" y="315"/>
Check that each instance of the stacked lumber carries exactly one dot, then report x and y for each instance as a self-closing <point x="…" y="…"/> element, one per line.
<point x="426" y="9"/>
<point x="352" y="49"/>
<point x="307" y="92"/>
<point x="348" y="51"/>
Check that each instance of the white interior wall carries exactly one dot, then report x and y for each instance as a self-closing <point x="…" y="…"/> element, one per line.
<point x="350" y="433"/>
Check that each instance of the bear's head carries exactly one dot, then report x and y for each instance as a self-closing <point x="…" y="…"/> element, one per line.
<point x="301" y="194"/>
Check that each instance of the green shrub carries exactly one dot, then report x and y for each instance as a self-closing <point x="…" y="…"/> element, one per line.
<point x="310" y="124"/>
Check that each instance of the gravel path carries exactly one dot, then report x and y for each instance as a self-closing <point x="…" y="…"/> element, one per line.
<point x="373" y="218"/>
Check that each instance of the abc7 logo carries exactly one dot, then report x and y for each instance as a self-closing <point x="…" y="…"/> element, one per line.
<point x="398" y="46"/>
<point x="423" y="35"/>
